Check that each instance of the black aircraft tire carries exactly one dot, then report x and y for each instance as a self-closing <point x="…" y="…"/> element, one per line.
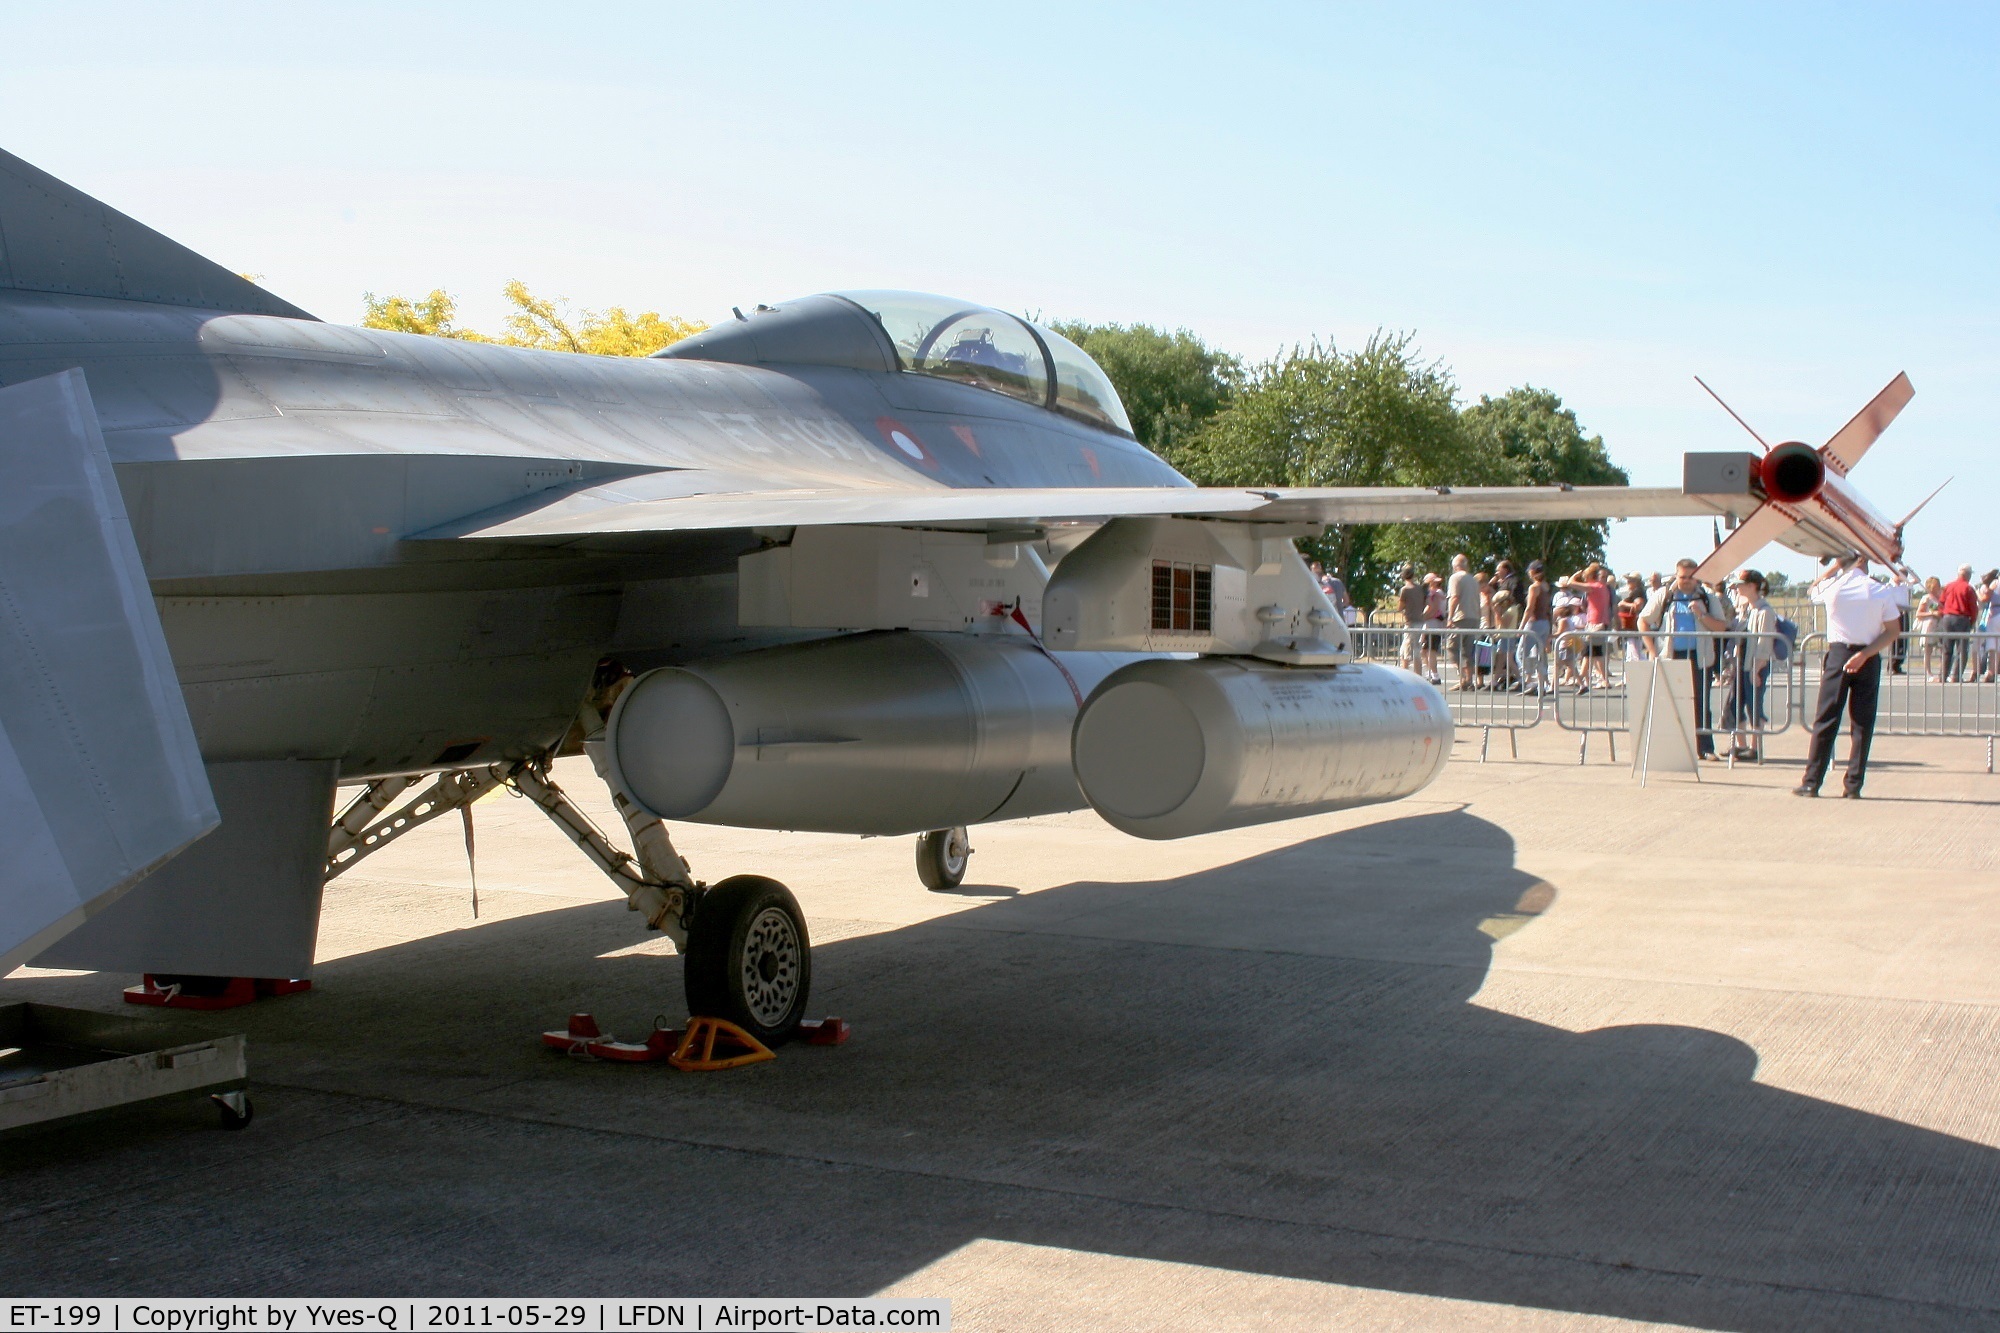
<point x="749" y="959"/>
<point x="941" y="858"/>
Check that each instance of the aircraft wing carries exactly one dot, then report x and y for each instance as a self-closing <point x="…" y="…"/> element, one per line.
<point x="662" y="503"/>
<point x="100" y="777"/>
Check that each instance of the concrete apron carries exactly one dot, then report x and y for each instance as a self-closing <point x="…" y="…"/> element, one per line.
<point x="1537" y="1050"/>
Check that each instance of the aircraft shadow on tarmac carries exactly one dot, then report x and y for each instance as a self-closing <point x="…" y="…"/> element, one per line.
<point x="1271" y="1067"/>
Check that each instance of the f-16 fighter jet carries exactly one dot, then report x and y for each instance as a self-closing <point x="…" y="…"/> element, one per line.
<point x="866" y="562"/>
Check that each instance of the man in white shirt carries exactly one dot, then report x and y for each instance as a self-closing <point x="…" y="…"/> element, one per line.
<point x="1462" y="610"/>
<point x="1862" y="620"/>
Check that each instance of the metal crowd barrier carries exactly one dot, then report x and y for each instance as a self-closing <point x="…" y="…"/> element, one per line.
<point x="1948" y="685"/>
<point x="1512" y="679"/>
<point x="1491" y="677"/>
<point x="1496" y="679"/>
<point x="1748" y="692"/>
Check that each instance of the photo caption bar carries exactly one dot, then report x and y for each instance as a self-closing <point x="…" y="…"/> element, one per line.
<point x="183" y="1315"/>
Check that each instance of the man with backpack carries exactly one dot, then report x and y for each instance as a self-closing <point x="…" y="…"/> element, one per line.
<point x="1861" y="622"/>
<point x="1685" y="608"/>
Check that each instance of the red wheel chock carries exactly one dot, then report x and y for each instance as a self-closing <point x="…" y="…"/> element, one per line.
<point x="576" y="1039"/>
<point x="211" y="992"/>
<point x="693" y="1050"/>
<point x="824" y="1031"/>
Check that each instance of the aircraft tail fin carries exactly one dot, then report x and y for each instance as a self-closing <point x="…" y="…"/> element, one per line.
<point x="100" y="777"/>
<point x="56" y="238"/>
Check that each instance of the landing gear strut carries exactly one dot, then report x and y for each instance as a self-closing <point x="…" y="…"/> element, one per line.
<point x="749" y="959"/>
<point x="941" y="858"/>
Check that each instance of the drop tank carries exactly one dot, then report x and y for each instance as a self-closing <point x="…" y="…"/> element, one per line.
<point x="1168" y="749"/>
<point x="882" y="733"/>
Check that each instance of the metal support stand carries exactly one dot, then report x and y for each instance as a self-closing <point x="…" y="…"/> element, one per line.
<point x="362" y="828"/>
<point x="1989" y="754"/>
<point x="653" y="877"/>
<point x="1485" y="738"/>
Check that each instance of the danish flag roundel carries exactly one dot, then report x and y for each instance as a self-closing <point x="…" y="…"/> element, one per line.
<point x="904" y="442"/>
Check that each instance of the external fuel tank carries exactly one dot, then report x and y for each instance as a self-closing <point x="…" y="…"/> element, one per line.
<point x="1172" y="748"/>
<point x="882" y="733"/>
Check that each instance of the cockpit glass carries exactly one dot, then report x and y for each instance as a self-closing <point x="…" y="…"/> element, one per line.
<point x="957" y="341"/>
<point x="989" y="349"/>
<point x="935" y="335"/>
<point x="1081" y="388"/>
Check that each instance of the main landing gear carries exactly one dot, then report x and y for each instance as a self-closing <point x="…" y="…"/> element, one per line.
<point x="749" y="959"/>
<point x="941" y="858"/>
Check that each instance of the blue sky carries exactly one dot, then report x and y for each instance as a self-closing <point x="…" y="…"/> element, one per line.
<point x="1794" y="203"/>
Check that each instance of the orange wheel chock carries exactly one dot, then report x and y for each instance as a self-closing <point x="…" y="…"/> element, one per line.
<point x="694" y="1049"/>
<point x="697" y="1054"/>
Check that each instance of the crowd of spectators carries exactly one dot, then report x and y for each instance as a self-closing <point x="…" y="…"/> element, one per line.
<point x="1559" y="633"/>
<point x="1955" y="629"/>
<point x="1952" y="628"/>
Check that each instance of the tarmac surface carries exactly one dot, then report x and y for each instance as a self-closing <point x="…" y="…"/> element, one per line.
<point x="1536" y="1050"/>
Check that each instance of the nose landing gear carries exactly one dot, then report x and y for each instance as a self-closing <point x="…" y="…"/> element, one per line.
<point x="942" y="857"/>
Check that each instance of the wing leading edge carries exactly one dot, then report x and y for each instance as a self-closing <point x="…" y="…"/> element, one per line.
<point x="627" y="507"/>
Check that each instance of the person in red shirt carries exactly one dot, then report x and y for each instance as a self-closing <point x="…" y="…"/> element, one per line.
<point x="1960" y="604"/>
<point x="1597" y="611"/>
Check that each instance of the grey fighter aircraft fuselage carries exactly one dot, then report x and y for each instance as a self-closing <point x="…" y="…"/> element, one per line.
<point x="280" y="473"/>
<point x="870" y="562"/>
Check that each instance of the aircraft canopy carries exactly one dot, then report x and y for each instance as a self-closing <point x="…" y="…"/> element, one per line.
<point x="951" y="339"/>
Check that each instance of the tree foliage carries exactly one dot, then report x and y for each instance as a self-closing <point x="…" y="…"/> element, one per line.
<point x="1525" y="437"/>
<point x="435" y="314"/>
<point x="1383" y="415"/>
<point x="1170" y="383"/>
<point x="535" y="321"/>
<point x="1317" y="416"/>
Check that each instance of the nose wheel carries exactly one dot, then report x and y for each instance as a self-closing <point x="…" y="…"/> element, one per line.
<point x="749" y="959"/>
<point x="941" y="858"/>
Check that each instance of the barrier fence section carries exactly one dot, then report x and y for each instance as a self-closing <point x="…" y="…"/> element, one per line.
<point x="1753" y="686"/>
<point x="1933" y="684"/>
<point x="1495" y="677"/>
<point x="1742" y="688"/>
<point x="1746" y="687"/>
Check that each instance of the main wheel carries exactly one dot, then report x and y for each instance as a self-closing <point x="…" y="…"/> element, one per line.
<point x="941" y="858"/>
<point x="749" y="959"/>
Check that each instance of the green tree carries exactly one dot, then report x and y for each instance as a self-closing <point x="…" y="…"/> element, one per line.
<point x="1318" y="416"/>
<point x="1170" y="383"/>
<point x="535" y="322"/>
<point x="1525" y="437"/>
